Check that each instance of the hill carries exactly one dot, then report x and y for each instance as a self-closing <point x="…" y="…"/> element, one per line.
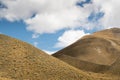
<point x="21" y="61"/>
<point x="98" y="52"/>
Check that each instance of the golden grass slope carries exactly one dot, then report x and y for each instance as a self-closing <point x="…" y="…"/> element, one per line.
<point x="21" y="61"/>
<point x="98" y="52"/>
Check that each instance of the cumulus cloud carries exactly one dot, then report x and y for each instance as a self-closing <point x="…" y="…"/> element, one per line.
<point x="46" y="16"/>
<point x="69" y="37"/>
<point x="111" y="12"/>
<point x="20" y="9"/>
<point x="65" y="15"/>
<point x="49" y="16"/>
<point x="49" y="52"/>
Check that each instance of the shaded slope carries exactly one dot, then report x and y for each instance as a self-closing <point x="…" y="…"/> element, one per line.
<point x="21" y="61"/>
<point x="115" y="68"/>
<point x="84" y="65"/>
<point x="96" y="52"/>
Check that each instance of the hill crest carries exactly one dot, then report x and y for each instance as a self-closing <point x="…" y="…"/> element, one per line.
<point x="93" y="52"/>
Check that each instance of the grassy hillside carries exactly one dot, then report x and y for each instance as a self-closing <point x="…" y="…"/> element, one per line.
<point x="98" y="52"/>
<point x="21" y="61"/>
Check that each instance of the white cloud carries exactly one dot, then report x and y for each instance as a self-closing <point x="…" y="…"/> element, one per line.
<point x="53" y="15"/>
<point x="35" y="44"/>
<point x="50" y="15"/>
<point x="51" y="22"/>
<point x="111" y="12"/>
<point x="49" y="52"/>
<point x="35" y="35"/>
<point x="20" y="9"/>
<point x="69" y="37"/>
<point x="61" y="17"/>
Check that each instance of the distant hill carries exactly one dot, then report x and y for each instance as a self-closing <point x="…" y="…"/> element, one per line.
<point x="98" y="52"/>
<point x="21" y="61"/>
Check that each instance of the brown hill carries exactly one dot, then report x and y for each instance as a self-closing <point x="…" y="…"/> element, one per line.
<point x="98" y="52"/>
<point x="21" y="61"/>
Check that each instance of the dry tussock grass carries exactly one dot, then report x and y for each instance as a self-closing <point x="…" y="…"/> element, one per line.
<point x="99" y="52"/>
<point x="21" y="61"/>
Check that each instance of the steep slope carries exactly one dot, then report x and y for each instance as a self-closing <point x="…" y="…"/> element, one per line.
<point x="96" y="52"/>
<point x="21" y="61"/>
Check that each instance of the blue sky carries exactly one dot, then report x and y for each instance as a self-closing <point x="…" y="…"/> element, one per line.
<point x="18" y="30"/>
<point x="54" y="25"/>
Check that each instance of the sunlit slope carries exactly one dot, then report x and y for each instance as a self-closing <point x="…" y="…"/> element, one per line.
<point x="22" y="61"/>
<point x="97" y="52"/>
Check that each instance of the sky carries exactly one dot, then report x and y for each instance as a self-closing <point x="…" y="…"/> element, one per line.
<point x="51" y="25"/>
